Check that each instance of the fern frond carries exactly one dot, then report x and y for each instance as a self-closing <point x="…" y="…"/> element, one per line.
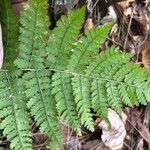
<point x="42" y="103"/>
<point x="66" y="107"/>
<point x="64" y="78"/>
<point x="15" y="120"/>
<point x="10" y="29"/>
<point x="63" y="37"/>
<point x="33" y="34"/>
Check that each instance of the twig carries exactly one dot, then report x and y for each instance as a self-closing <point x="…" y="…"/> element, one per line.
<point x="126" y="39"/>
<point x="138" y="131"/>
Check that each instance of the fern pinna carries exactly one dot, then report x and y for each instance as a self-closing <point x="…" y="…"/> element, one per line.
<point x="15" y="118"/>
<point x="63" y="77"/>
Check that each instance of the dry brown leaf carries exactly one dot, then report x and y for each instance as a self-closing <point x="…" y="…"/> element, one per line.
<point x="125" y="3"/>
<point x="146" y="57"/>
<point x="97" y="122"/>
<point x="113" y="134"/>
<point x="88" y="24"/>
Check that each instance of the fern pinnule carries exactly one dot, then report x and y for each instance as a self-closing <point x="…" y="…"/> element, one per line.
<point x="99" y="99"/>
<point x="13" y="112"/>
<point x="33" y="34"/>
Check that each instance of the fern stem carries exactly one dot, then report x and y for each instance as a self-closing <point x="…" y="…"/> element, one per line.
<point x="83" y="75"/>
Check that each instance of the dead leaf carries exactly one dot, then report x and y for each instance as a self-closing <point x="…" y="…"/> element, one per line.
<point x="125" y="3"/>
<point x="146" y="57"/>
<point x="88" y="24"/>
<point x="113" y="134"/>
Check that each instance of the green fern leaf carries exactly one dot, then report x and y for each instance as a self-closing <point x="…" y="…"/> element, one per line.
<point x="10" y="29"/>
<point x="42" y="104"/>
<point x="79" y="80"/>
<point x="87" y="48"/>
<point x="33" y="40"/>
<point x="63" y="37"/>
<point x="99" y="98"/>
<point x="83" y="54"/>
<point x="81" y="88"/>
<point x="34" y="34"/>
<point x="120" y="80"/>
<point x="66" y="107"/>
<point x="15" y="120"/>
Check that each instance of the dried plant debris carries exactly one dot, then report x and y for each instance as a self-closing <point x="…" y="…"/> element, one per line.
<point x="88" y="24"/>
<point x="137" y="127"/>
<point x="146" y="57"/>
<point x="113" y="134"/>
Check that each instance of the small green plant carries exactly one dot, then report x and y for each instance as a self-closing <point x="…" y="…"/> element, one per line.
<point x="62" y="76"/>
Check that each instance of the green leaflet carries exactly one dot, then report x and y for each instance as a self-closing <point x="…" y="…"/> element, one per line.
<point x="63" y="37"/>
<point x="13" y="112"/>
<point x="33" y="41"/>
<point x="121" y="82"/>
<point x="87" y="47"/>
<point x="81" y="88"/>
<point x="42" y="103"/>
<point x="10" y="29"/>
<point x="33" y="35"/>
<point x="99" y="98"/>
<point x="66" y="107"/>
